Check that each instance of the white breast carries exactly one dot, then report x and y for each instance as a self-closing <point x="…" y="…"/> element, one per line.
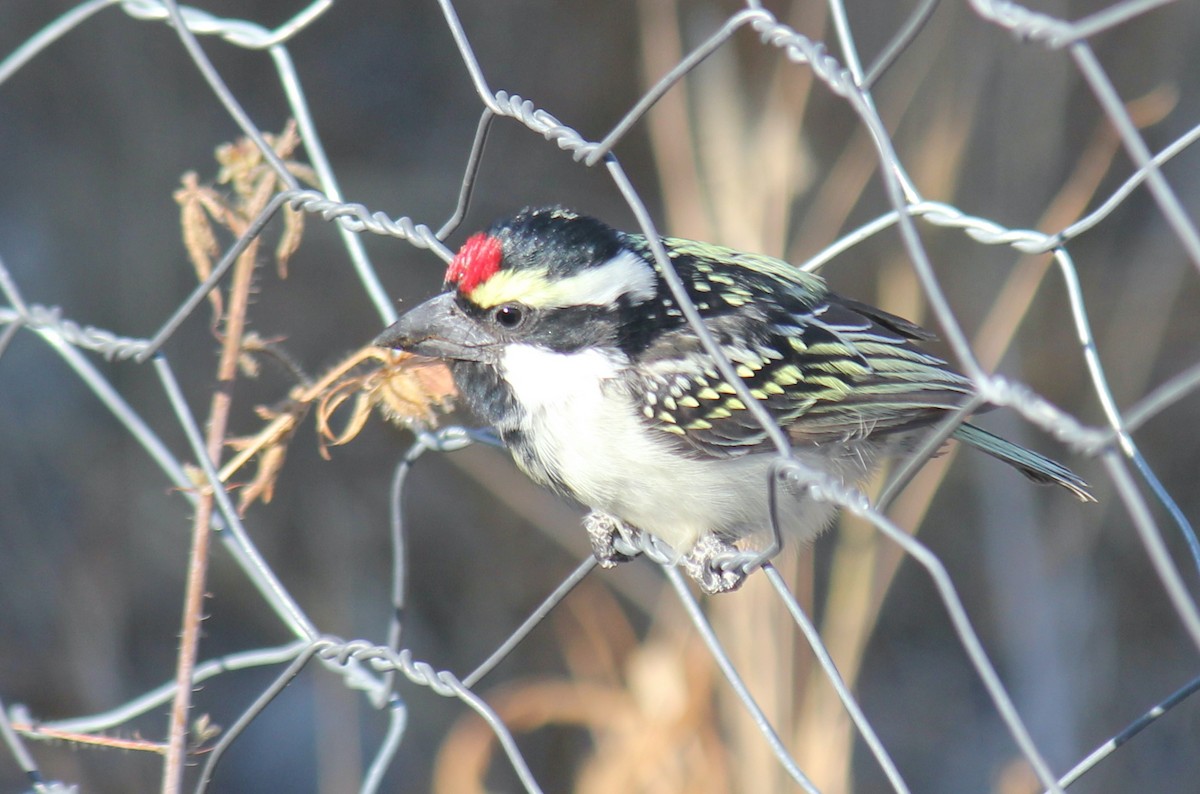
<point x="591" y="438"/>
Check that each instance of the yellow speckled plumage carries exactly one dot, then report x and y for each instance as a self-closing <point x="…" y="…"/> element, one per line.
<point x="569" y="343"/>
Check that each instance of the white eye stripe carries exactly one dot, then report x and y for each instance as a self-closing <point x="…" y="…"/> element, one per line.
<point x="624" y="274"/>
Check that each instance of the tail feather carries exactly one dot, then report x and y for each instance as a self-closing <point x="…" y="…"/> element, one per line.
<point x="1036" y="467"/>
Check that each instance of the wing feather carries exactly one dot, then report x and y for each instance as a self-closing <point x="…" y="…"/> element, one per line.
<point x="827" y="368"/>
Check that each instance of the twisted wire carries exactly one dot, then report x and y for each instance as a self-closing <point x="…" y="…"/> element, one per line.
<point x="358" y="660"/>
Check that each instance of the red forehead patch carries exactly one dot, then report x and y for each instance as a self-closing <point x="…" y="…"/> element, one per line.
<point x="476" y="262"/>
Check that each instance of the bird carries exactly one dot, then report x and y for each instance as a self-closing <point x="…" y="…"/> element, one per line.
<point x="562" y="334"/>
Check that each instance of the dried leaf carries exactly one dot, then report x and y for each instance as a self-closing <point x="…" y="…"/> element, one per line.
<point x="289" y="241"/>
<point x="239" y="161"/>
<point x="411" y="393"/>
<point x="198" y="238"/>
<point x="248" y="365"/>
<point x="253" y="181"/>
<point x="284" y="144"/>
<point x="304" y="173"/>
<point x="268" y="448"/>
<point x="195" y="475"/>
<point x="406" y="389"/>
<point x="270" y="464"/>
<point x="354" y="425"/>
<point x="204" y="730"/>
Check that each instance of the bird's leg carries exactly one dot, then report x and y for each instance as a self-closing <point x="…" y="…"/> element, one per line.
<point x="605" y="531"/>
<point x="708" y="563"/>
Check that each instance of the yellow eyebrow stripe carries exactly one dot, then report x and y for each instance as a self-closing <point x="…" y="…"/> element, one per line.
<point x="508" y="286"/>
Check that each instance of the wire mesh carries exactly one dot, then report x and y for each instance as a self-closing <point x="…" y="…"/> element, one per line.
<point x="1019" y="179"/>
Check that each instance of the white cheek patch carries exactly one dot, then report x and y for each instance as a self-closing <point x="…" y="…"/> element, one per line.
<point x="541" y="377"/>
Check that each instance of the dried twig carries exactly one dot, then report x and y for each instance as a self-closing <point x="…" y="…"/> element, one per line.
<point x="254" y="183"/>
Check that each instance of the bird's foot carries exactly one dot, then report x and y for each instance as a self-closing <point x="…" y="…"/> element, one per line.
<point x="716" y="565"/>
<point x="607" y="533"/>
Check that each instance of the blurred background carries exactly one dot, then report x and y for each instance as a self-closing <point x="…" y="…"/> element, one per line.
<point x="613" y="692"/>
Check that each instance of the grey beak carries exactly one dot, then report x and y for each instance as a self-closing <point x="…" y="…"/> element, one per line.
<point x="438" y="328"/>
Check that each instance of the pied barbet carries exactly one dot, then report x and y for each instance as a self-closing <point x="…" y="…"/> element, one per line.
<point x="562" y="334"/>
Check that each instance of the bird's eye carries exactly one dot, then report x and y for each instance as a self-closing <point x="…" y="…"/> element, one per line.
<point x="510" y="316"/>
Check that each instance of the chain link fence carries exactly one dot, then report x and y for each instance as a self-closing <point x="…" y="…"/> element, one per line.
<point x="221" y="571"/>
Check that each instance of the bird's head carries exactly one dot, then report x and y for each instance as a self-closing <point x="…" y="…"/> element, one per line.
<point x="547" y="277"/>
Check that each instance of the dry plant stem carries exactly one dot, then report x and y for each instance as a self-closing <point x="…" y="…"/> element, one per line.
<point x="218" y="420"/>
<point x="1012" y="304"/>
<point x="673" y="148"/>
<point x="1010" y="308"/>
<point x="862" y="571"/>
<point x="1007" y="312"/>
<point x="823" y="732"/>
<point x="36" y="731"/>
<point x="701" y="138"/>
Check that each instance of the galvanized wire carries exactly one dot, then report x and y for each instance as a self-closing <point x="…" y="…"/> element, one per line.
<point x="373" y="668"/>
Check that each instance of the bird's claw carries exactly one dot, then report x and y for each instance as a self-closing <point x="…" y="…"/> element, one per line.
<point x="607" y="533"/>
<point x="716" y="565"/>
